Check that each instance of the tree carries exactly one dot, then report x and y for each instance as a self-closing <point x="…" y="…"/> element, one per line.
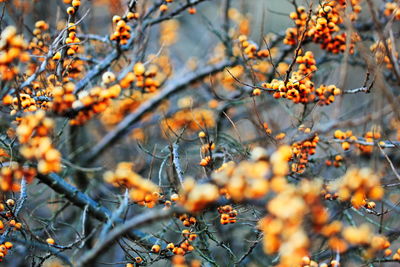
<point x="199" y="133"/>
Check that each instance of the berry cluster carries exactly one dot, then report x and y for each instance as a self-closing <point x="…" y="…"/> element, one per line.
<point x="4" y="249"/>
<point x="96" y="100"/>
<point x="396" y="255"/>
<point x="180" y="261"/>
<point x="195" y="197"/>
<point x="119" y="108"/>
<point x="34" y="136"/>
<point x="38" y="44"/>
<point x="206" y="149"/>
<point x="326" y="94"/>
<point x="145" y="78"/>
<point x="301" y="153"/>
<point x="10" y="176"/>
<point x="308" y="262"/>
<point x="8" y="222"/>
<point x="63" y="97"/>
<point x="24" y="102"/>
<point x="75" y="4"/>
<point x="142" y="191"/>
<point x="187" y="220"/>
<point x="122" y="31"/>
<point x="12" y="52"/>
<point x="381" y="54"/>
<point x="324" y="26"/>
<point x="299" y="88"/>
<point x="250" y="49"/>
<point x="193" y="119"/>
<point x="358" y="185"/>
<point x="287" y="212"/>
<point x="245" y="180"/>
<point x="72" y="41"/>
<point x="184" y="246"/>
<point x="341" y="238"/>
<point x="392" y="9"/>
<point x="227" y="214"/>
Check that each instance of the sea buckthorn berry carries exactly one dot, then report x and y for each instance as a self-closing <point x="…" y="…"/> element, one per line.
<point x="346" y="145"/>
<point x="139" y="69"/>
<point x="76" y="3"/>
<point x="138" y="260"/>
<point x="10" y="202"/>
<point x="116" y="19"/>
<point x="174" y="197"/>
<point x="155" y="248"/>
<point x="170" y="246"/>
<point x="108" y="77"/>
<point x="163" y="8"/>
<point x="202" y="134"/>
<point x="70" y="10"/>
<point x="130" y="15"/>
<point x="205" y="161"/>
<point x="192" y="10"/>
<point x="185" y="233"/>
<point x="57" y="56"/>
<point x="335" y="263"/>
<point x="18" y="226"/>
<point x="50" y="241"/>
<point x="256" y="92"/>
<point x="192" y="237"/>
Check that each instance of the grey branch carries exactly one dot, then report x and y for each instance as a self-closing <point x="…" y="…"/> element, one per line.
<point x="116" y="233"/>
<point x="20" y="203"/>
<point x="357" y="90"/>
<point x="171" y="88"/>
<point x="177" y="164"/>
<point x="94" y="209"/>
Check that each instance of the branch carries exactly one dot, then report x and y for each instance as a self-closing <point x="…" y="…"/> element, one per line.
<point x="357" y="90"/>
<point x="137" y="221"/>
<point x="100" y="68"/>
<point x="83" y="201"/>
<point x="75" y="196"/>
<point x="43" y="247"/>
<point x="177" y="164"/>
<point x="390" y="162"/>
<point x="18" y="208"/>
<point x="340" y="124"/>
<point x="172" y="87"/>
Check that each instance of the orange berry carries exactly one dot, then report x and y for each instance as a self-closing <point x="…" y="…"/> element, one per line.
<point x="346" y="145"/>
<point x="57" y="56"/>
<point x="139" y="69"/>
<point x="8" y="245"/>
<point x="76" y="3"/>
<point x="70" y="10"/>
<point x="192" y="10"/>
<point x="170" y="246"/>
<point x="10" y="202"/>
<point x="388" y="252"/>
<point x="155" y="249"/>
<point x="256" y="92"/>
<point x="174" y="197"/>
<point x="163" y="8"/>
